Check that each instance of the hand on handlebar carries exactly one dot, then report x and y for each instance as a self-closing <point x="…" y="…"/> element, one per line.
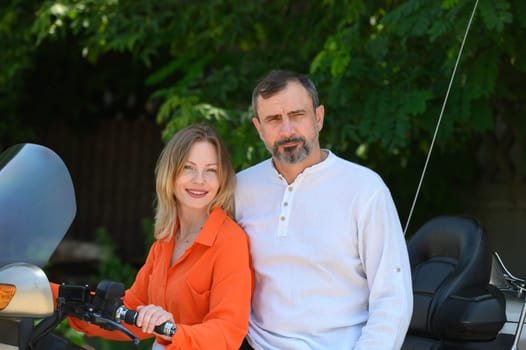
<point x="151" y="316"/>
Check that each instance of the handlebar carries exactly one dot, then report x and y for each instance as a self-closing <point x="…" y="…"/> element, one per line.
<point x="510" y="282"/>
<point x="94" y="307"/>
<point x="103" y="307"/>
<point x="516" y="285"/>
<point x="130" y="317"/>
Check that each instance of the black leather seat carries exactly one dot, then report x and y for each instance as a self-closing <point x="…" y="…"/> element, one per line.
<point x="455" y="307"/>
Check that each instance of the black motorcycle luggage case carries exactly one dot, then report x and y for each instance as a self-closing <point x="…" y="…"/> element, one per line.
<point x="476" y="314"/>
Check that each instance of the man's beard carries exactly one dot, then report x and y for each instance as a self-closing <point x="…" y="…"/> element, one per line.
<point x="292" y="154"/>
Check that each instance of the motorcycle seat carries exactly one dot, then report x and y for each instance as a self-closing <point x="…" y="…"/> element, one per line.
<point x="453" y="300"/>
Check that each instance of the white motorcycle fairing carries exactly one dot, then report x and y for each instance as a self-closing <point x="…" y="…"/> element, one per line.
<point x="32" y="297"/>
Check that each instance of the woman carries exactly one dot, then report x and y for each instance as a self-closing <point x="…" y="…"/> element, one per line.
<point x="197" y="273"/>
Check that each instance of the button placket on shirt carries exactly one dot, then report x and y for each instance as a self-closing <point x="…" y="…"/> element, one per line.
<point x="283" y="220"/>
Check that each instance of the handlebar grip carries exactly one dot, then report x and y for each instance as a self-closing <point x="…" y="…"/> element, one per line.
<point x="130" y="317"/>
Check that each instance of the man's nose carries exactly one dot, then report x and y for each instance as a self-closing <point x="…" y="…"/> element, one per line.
<point x="287" y="127"/>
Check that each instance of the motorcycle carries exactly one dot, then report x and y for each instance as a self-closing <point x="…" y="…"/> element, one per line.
<point x="465" y="297"/>
<point x="37" y="206"/>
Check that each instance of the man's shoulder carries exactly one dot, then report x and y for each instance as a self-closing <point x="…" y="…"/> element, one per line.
<point x="256" y="170"/>
<point x="356" y="173"/>
<point x="352" y="166"/>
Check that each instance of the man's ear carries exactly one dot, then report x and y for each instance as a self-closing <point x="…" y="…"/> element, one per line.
<point x="320" y="116"/>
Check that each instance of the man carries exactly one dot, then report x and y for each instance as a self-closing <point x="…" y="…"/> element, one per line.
<point x="330" y="259"/>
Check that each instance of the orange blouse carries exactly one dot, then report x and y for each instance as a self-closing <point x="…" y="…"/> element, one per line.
<point x="207" y="290"/>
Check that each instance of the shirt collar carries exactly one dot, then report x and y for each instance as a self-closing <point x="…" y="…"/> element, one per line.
<point x="311" y="169"/>
<point x="209" y="232"/>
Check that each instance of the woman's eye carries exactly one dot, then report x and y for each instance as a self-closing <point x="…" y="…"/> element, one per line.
<point x="211" y="170"/>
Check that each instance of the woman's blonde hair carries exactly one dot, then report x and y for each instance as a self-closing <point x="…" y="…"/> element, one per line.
<point x="169" y="166"/>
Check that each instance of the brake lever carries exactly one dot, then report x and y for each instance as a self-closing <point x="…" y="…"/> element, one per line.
<point x="111" y="325"/>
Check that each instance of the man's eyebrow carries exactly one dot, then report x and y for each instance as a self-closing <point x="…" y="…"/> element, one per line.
<point x="296" y="111"/>
<point x="271" y="116"/>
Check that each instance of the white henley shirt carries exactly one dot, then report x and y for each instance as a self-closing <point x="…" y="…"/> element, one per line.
<point x="329" y="256"/>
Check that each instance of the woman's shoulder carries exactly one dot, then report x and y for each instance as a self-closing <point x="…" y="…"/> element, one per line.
<point x="230" y="232"/>
<point x="231" y="225"/>
<point x="225" y="223"/>
<point x="160" y="245"/>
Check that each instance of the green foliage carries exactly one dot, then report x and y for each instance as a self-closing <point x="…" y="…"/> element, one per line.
<point x="147" y="228"/>
<point x="204" y="59"/>
<point x="111" y="266"/>
<point x="482" y="75"/>
<point x="65" y="330"/>
<point x="382" y="67"/>
<point x="495" y="14"/>
<point x="380" y="63"/>
<point x="15" y="60"/>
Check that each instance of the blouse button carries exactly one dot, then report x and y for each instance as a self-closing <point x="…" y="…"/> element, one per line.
<point x="282" y="218"/>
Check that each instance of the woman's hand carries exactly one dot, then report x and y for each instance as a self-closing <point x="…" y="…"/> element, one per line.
<point x="151" y="316"/>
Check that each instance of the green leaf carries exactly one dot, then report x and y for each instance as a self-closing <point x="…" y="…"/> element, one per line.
<point x="481" y="77"/>
<point x="495" y="14"/>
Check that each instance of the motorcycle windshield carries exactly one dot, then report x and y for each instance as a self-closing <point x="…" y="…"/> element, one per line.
<point x="37" y="203"/>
